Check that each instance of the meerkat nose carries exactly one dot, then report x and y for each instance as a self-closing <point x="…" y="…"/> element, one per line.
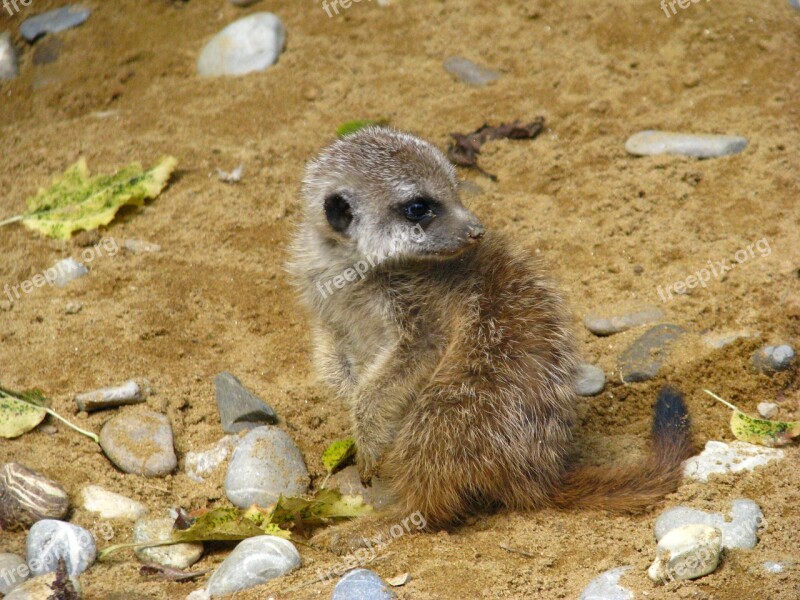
<point x="475" y="232"/>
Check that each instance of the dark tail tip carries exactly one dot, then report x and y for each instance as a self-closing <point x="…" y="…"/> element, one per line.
<point x="671" y="422"/>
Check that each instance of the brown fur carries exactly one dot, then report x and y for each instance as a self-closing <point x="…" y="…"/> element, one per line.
<point x="458" y="364"/>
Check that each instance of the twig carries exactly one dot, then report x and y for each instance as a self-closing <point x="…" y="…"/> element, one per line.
<point x="12" y="220"/>
<point x="516" y="551"/>
<point x="725" y="402"/>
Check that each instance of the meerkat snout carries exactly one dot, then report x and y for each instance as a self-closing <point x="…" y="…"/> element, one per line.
<point x="386" y="193"/>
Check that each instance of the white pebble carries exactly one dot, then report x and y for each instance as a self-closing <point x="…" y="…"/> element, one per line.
<point x="740" y="532"/>
<point x="48" y="540"/>
<point x="199" y="465"/>
<point x="722" y="458"/>
<point x="607" y="587"/>
<point x="768" y="410"/>
<point x="110" y="505"/>
<point x="252" y="43"/>
<point x="68" y="270"/>
<point x="647" y="143"/>
<point x="687" y="552"/>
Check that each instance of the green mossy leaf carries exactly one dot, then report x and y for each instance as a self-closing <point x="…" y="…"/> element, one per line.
<point x="77" y="201"/>
<point x="338" y="454"/>
<point x="17" y="416"/>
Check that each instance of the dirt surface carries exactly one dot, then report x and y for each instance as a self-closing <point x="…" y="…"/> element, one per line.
<point x="612" y="228"/>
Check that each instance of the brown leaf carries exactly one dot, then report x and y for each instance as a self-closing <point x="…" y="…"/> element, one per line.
<point x="464" y="152"/>
<point x="62" y="585"/>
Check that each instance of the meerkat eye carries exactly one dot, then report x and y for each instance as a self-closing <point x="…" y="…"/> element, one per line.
<point x="338" y="212"/>
<point x="418" y="209"/>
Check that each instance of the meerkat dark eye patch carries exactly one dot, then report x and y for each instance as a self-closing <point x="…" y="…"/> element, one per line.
<point x="419" y="209"/>
<point x="338" y="212"/>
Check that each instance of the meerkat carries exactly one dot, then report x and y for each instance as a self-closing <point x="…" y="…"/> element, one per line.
<point x="450" y="344"/>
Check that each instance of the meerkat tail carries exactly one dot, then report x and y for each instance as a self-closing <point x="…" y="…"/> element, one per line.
<point x="633" y="488"/>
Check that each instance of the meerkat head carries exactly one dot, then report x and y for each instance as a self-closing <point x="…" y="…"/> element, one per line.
<point x="385" y="193"/>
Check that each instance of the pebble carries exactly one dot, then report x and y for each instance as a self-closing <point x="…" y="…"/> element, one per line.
<point x="767" y="410"/>
<point x="41" y="588"/>
<point x="252" y="43"/>
<point x="264" y="465"/>
<point x="469" y="72"/>
<point x="607" y="587"/>
<point x="722" y="339"/>
<point x="642" y="360"/>
<point x="140" y="246"/>
<point x="254" y="561"/>
<point x="130" y="392"/>
<point x="243" y="2"/>
<point x="770" y="566"/>
<point x="719" y="457"/>
<point x="9" y="65"/>
<point x="610" y="325"/>
<point x="362" y="584"/>
<point x="53" y="21"/>
<point x="140" y="443"/>
<point x="348" y="482"/>
<point x="49" y="540"/>
<point x="27" y="496"/>
<point x="110" y="505"/>
<point x="771" y="359"/>
<point x="199" y="465"/>
<point x="176" y="556"/>
<point x="740" y="532"/>
<point x="13" y="571"/>
<point x="73" y="308"/>
<point x="646" y="143"/>
<point x="239" y="408"/>
<point x="68" y="270"/>
<point x="589" y="380"/>
<point x="687" y="552"/>
<point x="199" y="595"/>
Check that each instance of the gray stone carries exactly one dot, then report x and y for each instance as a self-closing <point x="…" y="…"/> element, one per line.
<point x="589" y="380"/>
<point x="771" y="359"/>
<point x="770" y="566"/>
<point x="239" y="408"/>
<point x="249" y="44"/>
<point x="687" y="552"/>
<point x="609" y="325"/>
<point x="254" y="561"/>
<point x="794" y="4"/>
<point x="348" y="482"/>
<point x="41" y="588"/>
<point x="9" y="65"/>
<point x="722" y="458"/>
<point x="199" y="465"/>
<point x="49" y="540"/>
<point x="607" y="587"/>
<point x="66" y="270"/>
<point x="362" y="584"/>
<point x="109" y="505"/>
<point x="176" y="556"/>
<point x="647" y="143"/>
<point x="53" y="21"/>
<point x="140" y="246"/>
<point x="264" y="465"/>
<point x="469" y="72"/>
<point x="642" y="360"/>
<point x="140" y="443"/>
<point x="767" y="410"/>
<point x="13" y="571"/>
<point x="740" y="532"/>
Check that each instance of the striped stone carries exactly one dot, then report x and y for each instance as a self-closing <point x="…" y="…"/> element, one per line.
<point x="27" y="496"/>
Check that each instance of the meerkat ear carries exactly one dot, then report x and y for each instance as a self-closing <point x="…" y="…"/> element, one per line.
<point x="338" y="212"/>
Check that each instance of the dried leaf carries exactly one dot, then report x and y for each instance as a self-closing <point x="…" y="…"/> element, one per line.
<point x="338" y="454"/>
<point x="759" y="431"/>
<point x="62" y="587"/>
<point x="228" y="524"/>
<point x="18" y="416"/>
<point x="353" y="126"/>
<point x="322" y="508"/>
<point x="464" y="152"/>
<point x="77" y="201"/>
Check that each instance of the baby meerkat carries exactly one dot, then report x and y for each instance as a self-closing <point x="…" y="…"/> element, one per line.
<point x="451" y="346"/>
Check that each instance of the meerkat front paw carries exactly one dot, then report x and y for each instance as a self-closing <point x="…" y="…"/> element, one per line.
<point x="368" y="464"/>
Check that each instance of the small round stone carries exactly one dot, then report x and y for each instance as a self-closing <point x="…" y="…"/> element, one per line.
<point x="249" y="44"/>
<point x="109" y="505"/>
<point x="140" y="443"/>
<point x="254" y="561"/>
<point x="49" y="540"/>
<point x="771" y="359"/>
<point x="589" y="380"/>
<point x="13" y="571"/>
<point x="362" y="584"/>
<point x="768" y="410"/>
<point x="27" y="496"/>
<point x="176" y="556"/>
<point x="264" y="465"/>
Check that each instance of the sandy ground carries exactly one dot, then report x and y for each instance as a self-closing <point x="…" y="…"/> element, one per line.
<point x="612" y="228"/>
